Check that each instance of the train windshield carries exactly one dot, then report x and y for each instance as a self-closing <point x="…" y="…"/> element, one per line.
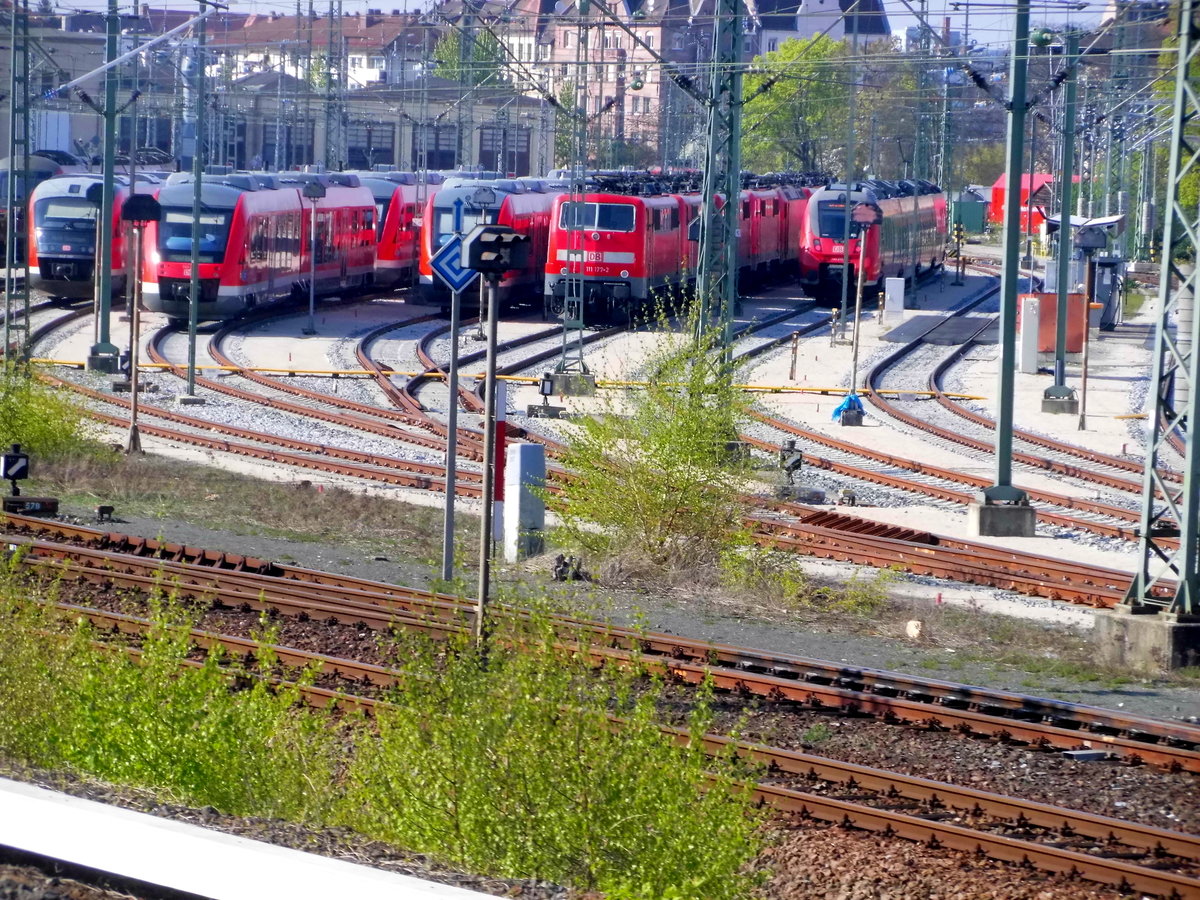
<point x="832" y="220"/>
<point x="598" y="216"/>
<point x="175" y="235"/>
<point x="443" y="222"/>
<point x="65" y="214"/>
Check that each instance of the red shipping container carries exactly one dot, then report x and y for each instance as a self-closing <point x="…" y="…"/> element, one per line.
<point x="1048" y="321"/>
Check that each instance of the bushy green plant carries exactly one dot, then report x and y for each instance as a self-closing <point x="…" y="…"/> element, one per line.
<point x="46" y="422"/>
<point x="68" y="703"/>
<point x="512" y="768"/>
<point x="515" y="768"/>
<point x="781" y="577"/>
<point x="653" y="476"/>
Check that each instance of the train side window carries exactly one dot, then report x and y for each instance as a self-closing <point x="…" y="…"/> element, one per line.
<point x="745" y="209"/>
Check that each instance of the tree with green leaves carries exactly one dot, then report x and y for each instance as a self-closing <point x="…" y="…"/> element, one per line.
<point x="798" y="122"/>
<point x="483" y="63"/>
<point x="565" y="125"/>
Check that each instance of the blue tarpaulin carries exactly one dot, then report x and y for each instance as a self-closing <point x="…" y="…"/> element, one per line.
<point x="851" y="402"/>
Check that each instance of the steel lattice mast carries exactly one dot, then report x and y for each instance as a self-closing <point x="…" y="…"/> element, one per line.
<point x="16" y="277"/>
<point x="717" y="276"/>
<point x="1169" y="510"/>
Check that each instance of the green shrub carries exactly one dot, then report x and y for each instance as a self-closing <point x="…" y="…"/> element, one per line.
<point x="510" y="769"/>
<point x="45" y="421"/>
<point x="653" y="477"/>
<point x="515" y="768"/>
<point x="68" y="703"/>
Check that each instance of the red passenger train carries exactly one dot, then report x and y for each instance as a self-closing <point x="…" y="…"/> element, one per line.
<point x="909" y="241"/>
<point x="255" y="242"/>
<point x="623" y="249"/>
<point x="400" y="210"/>
<point x="63" y="218"/>
<point x="522" y="205"/>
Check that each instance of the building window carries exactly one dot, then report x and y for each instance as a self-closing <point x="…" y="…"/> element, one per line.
<point x="772" y="45"/>
<point x="599" y="73"/>
<point x="566" y="39"/>
<point x="650" y="40"/>
<point x="376" y="62"/>
<point x="356" y="62"/>
<point x="678" y="45"/>
<point x="563" y="70"/>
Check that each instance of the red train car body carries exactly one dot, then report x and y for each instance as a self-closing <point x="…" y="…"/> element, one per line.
<point x="256" y="242"/>
<point x="62" y="219"/>
<point x="909" y="241"/>
<point x="619" y="250"/>
<point x="521" y="205"/>
<point x="400" y="210"/>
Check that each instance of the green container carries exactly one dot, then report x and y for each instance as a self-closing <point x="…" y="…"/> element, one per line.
<point x="970" y="214"/>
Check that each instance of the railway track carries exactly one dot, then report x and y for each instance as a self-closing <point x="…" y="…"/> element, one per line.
<point x="832" y="536"/>
<point x="1128" y="855"/>
<point x="106" y="556"/>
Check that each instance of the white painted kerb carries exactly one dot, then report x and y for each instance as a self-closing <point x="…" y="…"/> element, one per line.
<point x="187" y="857"/>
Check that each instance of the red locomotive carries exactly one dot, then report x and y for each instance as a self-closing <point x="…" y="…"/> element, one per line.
<point x="256" y="242"/>
<point x="62" y="239"/>
<point x="400" y="208"/>
<point x="521" y="205"/>
<point x="909" y="241"/>
<point x="620" y="249"/>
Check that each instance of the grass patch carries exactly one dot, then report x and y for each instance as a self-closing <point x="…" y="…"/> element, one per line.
<point x="510" y="768"/>
<point x="157" y="488"/>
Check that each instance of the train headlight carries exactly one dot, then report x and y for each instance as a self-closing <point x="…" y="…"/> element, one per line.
<point x="817" y="245"/>
<point x="595" y="235"/>
<point x="624" y="273"/>
<point x="562" y="271"/>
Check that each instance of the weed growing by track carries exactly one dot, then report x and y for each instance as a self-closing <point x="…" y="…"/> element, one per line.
<point x="655" y="483"/>
<point x="511" y="769"/>
<point x="44" y="421"/>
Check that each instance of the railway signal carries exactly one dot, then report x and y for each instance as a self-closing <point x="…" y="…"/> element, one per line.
<point x="959" y="235"/>
<point x="14" y="467"/>
<point x="491" y="250"/>
<point x="139" y="210"/>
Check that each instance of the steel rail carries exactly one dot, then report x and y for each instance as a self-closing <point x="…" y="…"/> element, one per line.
<point x="1041" y="463"/>
<point x="884" y="785"/>
<point x="370" y="473"/>
<point x="941" y="493"/>
<point x="669" y="645"/>
<point x="1093" y="456"/>
<point x="967" y="567"/>
<point x="379" y="428"/>
<point x="745" y="681"/>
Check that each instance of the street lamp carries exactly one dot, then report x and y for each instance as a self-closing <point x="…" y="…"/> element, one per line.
<point x="314" y="191"/>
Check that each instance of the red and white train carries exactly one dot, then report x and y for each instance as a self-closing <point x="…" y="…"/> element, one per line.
<point x="909" y="241"/>
<point x="256" y="242"/>
<point x="63" y="218"/>
<point x="523" y="205"/>
<point x="400" y="210"/>
<point x="620" y="250"/>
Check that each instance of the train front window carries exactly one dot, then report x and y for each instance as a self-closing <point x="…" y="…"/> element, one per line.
<point x="832" y="221"/>
<point x="443" y="222"/>
<point x="598" y="216"/>
<point x="65" y="214"/>
<point x="175" y="235"/>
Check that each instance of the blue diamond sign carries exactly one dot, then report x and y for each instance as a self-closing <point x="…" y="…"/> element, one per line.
<point x="447" y="263"/>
